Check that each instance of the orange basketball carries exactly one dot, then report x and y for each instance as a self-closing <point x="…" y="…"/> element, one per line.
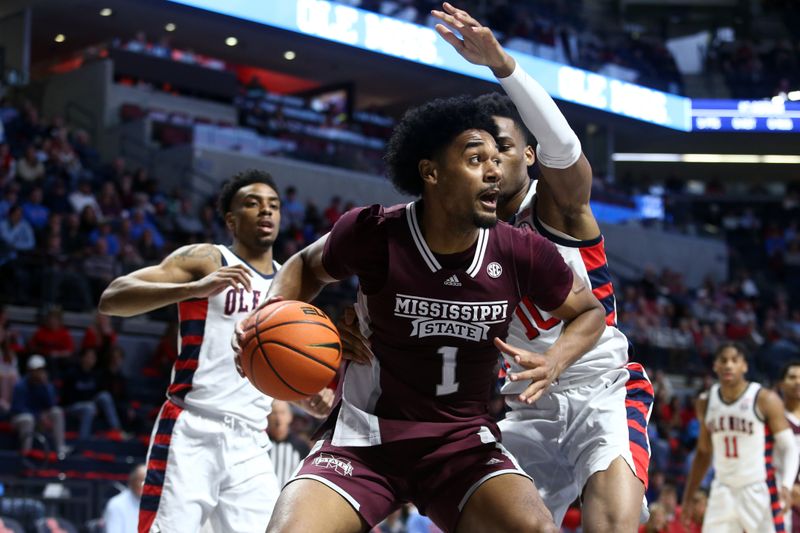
<point x="290" y="350"/>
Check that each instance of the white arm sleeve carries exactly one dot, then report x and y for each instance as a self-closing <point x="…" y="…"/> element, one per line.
<point x="787" y="456"/>
<point x="558" y="147"/>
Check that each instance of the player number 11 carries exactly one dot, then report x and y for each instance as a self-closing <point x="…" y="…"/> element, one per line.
<point x="449" y="385"/>
<point x="731" y="450"/>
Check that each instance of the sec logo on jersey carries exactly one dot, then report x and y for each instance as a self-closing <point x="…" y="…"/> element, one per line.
<point x="494" y="270"/>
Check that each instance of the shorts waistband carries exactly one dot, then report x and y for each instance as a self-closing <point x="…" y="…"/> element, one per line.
<point x="224" y="419"/>
<point x="571" y="383"/>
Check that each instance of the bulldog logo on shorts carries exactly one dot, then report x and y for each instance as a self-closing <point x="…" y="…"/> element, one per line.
<point x="340" y="466"/>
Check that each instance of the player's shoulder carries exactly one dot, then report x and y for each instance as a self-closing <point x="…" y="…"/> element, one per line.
<point x="203" y="256"/>
<point x="374" y="214"/>
<point x="523" y="234"/>
<point x="768" y="398"/>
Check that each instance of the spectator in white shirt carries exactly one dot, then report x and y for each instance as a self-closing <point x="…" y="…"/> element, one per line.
<point x="83" y="197"/>
<point x="122" y="511"/>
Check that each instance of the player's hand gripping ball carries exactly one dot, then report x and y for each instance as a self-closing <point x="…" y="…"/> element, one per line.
<point x="289" y="350"/>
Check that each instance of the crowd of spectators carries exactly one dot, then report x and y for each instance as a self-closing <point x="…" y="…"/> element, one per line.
<point x="753" y="68"/>
<point x="48" y="381"/>
<point x="558" y="30"/>
<point x="68" y="225"/>
<point x="757" y="69"/>
<point x="314" y="129"/>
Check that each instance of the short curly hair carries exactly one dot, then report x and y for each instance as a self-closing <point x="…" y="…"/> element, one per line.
<point x="500" y="105"/>
<point x="242" y="179"/>
<point x="738" y="346"/>
<point x="425" y="131"/>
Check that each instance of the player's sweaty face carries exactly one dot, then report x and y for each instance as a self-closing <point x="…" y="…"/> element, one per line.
<point x="730" y="366"/>
<point x="511" y="144"/>
<point x="790" y="386"/>
<point x="470" y="178"/>
<point x="257" y="215"/>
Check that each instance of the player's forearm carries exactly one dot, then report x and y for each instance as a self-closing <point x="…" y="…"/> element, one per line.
<point x="129" y="296"/>
<point x="787" y="457"/>
<point x="578" y="337"/>
<point x="558" y="147"/>
<point x="296" y="280"/>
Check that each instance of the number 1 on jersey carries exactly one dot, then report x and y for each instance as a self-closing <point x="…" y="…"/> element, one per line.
<point x="449" y="385"/>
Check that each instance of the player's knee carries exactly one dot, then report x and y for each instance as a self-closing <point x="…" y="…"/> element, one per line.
<point x="532" y="524"/>
<point x="614" y="520"/>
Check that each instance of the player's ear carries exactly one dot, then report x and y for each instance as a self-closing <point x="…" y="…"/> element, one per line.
<point x="530" y="155"/>
<point x="229" y="220"/>
<point x="427" y="170"/>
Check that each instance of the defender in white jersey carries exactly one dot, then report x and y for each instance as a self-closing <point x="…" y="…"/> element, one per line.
<point x="790" y="390"/>
<point x="208" y="460"/>
<point x="577" y="426"/>
<point x="743" y="429"/>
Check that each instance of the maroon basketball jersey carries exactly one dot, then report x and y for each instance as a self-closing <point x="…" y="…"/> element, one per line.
<point x="431" y="320"/>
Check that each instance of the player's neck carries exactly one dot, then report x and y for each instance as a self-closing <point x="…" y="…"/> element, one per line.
<point x="792" y="406"/>
<point x="259" y="259"/>
<point x="511" y="207"/>
<point x="442" y="233"/>
<point x="731" y="393"/>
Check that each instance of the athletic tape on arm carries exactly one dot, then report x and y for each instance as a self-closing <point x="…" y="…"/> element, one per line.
<point x="558" y="147"/>
<point x="788" y="457"/>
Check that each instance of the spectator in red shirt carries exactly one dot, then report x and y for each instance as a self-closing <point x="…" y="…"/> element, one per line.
<point x="694" y="522"/>
<point x="657" y="523"/>
<point x="52" y="339"/>
<point x="333" y="211"/>
<point x="101" y="336"/>
<point x="668" y="500"/>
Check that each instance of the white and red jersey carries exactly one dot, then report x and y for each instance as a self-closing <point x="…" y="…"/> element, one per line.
<point x="739" y="438"/>
<point x="204" y="376"/>
<point x="536" y="330"/>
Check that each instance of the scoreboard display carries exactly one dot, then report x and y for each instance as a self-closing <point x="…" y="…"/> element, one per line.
<point x="776" y="115"/>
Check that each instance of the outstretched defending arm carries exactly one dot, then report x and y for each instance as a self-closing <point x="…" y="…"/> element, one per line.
<point x="584" y="322"/>
<point x="192" y="271"/>
<point x="564" y="192"/>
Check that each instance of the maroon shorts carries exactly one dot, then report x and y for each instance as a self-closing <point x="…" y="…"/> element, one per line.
<point x="437" y="475"/>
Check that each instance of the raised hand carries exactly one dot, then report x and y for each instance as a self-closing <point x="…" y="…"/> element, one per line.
<point x="355" y="346"/>
<point x="477" y="43"/>
<point x="226" y="277"/>
<point x="541" y="370"/>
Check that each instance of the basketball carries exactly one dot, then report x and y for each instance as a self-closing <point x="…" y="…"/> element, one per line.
<point x="290" y="350"/>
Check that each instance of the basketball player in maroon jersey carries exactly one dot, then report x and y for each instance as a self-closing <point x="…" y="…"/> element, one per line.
<point x="790" y="390"/>
<point x="439" y="279"/>
<point x="597" y="450"/>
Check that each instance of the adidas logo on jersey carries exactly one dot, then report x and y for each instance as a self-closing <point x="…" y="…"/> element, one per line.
<point x="452" y="281"/>
<point x="493" y="461"/>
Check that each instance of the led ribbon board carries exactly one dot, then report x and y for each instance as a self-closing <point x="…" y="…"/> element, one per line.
<point x="385" y="35"/>
<point x="775" y="116"/>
